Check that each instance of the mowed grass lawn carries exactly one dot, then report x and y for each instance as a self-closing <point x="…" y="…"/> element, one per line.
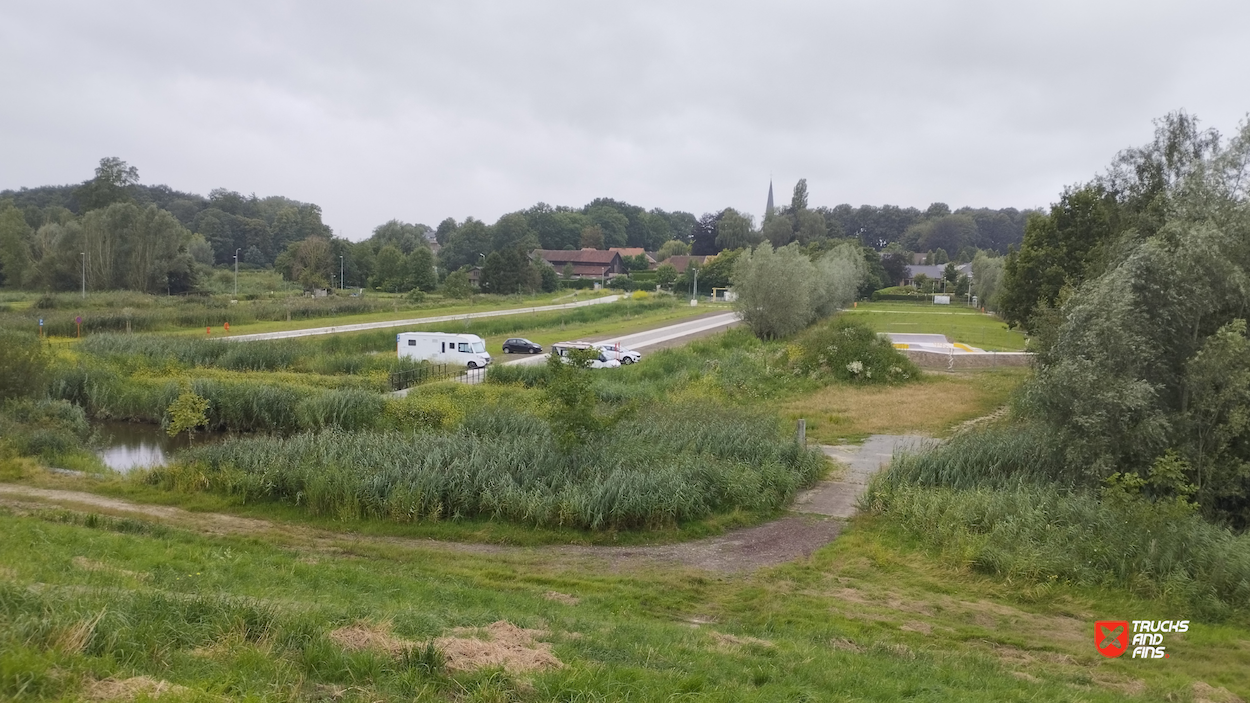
<point x="934" y="406"/>
<point x="87" y="598"/>
<point x="959" y="324"/>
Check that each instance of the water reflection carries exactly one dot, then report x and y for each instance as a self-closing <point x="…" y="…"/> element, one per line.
<point x="135" y="445"/>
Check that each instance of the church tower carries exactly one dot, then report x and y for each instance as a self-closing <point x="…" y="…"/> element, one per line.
<point x="768" y="209"/>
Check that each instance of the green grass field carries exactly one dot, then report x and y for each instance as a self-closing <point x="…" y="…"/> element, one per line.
<point x="959" y="324"/>
<point x="870" y="617"/>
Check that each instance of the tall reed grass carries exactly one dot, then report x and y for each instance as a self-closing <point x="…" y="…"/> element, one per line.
<point x="1001" y="501"/>
<point x="678" y="465"/>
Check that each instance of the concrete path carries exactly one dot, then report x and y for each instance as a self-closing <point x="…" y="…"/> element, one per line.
<point x="837" y="497"/>
<point x="362" y="326"/>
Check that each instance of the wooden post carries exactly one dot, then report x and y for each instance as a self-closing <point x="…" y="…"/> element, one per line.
<point x="801" y="434"/>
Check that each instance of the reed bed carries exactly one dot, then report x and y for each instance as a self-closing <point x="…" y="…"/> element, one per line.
<point x="240" y="405"/>
<point x="1002" y="501"/>
<point x="675" y="466"/>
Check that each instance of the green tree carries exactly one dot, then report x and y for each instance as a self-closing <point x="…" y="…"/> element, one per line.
<point x="735" y="230"/>
<point x="1059" y="249"/>
<point x="23" y="364"/>
<point x="779" y="230"/>
<point x="571" y="399"/>
<point x="671" y="248"/>
<point x="987" y="271"/>
<point x="15" y="240"/>
<point x="112" y="183"/>
<point x="187" y="414"/>
<point x="458" y="285"/>
<point x="509" y="271"/>
<point x="592" y="238"/>
<point x="569" y="272"/>
<point x="549" y="280"/>
<point x="311" y="265"/>
<point x="775" y="290"/>
<point x="420" y="270"/>
<point x="665" y="275"/>
<point x="798" y="201"/>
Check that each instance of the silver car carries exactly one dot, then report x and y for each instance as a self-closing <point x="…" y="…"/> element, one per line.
<point x="621" y="354"/>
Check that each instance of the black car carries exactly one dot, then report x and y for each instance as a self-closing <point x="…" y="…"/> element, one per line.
<point x="521" y="346"/>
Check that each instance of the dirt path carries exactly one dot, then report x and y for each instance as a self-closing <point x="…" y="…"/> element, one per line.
<point x="817" y="517"/>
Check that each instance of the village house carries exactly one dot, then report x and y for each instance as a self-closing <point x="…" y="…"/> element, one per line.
<point x="587" y="263"/>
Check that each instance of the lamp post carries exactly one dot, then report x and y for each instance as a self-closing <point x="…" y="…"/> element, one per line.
<point x="84" y="275"/>
<point x="236" y="273"/>
<point x="341" y="284"/>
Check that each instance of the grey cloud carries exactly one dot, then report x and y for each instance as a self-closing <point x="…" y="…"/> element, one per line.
<point x="422" y="111"/>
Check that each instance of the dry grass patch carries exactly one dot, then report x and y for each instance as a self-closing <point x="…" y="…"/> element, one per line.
<point x="562" y="598"/>
<point x="377" y="637"/>
<point x="500" y="644"/>
<point x="1206" y="693"/>
<point x="730" y="641"/>
<point x="92" y="565"/>
<point x="515" y="649"/>
<point x="129" y="689"/>
<point x="932" y="407"/>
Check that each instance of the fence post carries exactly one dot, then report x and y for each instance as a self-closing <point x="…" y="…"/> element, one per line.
<point x="801" y="433"/>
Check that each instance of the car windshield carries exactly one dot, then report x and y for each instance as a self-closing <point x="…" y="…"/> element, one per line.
<point x="479" y="347"/>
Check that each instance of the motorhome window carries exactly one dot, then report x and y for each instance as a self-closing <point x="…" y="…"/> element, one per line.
<point x="412" y="342"/>
<point x="463" y="346"/>
<point x="479" y="347"/>
<point x="444" y="347"/>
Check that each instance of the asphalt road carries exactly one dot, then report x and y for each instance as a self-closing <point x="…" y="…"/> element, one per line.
<point x="668" y="335"/>
<point x="362" y="326"/>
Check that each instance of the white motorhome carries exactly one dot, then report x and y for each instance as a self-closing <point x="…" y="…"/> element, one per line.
<point x="468" y="350"/>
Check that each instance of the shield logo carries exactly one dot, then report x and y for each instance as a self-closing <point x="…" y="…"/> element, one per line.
<point x="1111" y="637"/>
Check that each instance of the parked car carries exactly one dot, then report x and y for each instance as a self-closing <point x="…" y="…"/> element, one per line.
<point x="519" y="345"/>
<point x="562" y="350"/>
<point x="621" y="354"/>
<point x="466" y="350"/>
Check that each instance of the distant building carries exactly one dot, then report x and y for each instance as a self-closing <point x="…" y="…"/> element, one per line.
<point x="934" y="272"/>
<point x="635" y="251"/>
<point x="681" y="263"/>
<point x="587" y="263"/>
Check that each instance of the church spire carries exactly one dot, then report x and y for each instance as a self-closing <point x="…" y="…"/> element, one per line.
<point x="768" y="209"/>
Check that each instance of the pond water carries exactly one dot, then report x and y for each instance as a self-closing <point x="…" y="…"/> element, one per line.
<point x="136" y="445"/>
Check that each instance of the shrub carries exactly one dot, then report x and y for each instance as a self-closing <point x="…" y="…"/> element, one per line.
<point x="851" y="352"/>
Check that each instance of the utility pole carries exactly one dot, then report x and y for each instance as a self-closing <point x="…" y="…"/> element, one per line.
<point x="342" y="286"/>
<point x="84" y="275"/>
<point x="694" y="285"/>
<point x="236" y="273"/>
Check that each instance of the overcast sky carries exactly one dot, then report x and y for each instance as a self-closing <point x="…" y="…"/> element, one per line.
<point x="421" y="111"/>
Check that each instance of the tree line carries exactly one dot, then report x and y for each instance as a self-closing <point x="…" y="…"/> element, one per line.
<point x="152" y="238"/>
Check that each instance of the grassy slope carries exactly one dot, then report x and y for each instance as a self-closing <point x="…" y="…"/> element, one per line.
<point x="868" y="618"/>
<point x="957" y="323"/>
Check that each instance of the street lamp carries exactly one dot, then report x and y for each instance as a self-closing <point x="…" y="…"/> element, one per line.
<point x="84" y="275"/>
<point x="236" y="273"/>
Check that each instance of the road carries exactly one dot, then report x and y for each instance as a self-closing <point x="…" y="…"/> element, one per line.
<point x="675" y="333"/>
<point x="362" y="326"/>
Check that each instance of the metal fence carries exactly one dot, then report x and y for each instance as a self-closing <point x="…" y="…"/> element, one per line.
<point x="431" y="373"/>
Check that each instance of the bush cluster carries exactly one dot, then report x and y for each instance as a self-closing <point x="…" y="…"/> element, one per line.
<point x="850" y="352"/>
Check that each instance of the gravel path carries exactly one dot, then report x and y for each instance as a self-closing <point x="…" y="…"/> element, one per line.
<point x="816" y="518"/>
